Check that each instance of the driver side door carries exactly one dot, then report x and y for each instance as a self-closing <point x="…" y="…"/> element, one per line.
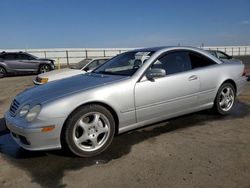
<point x="174" y="94"/>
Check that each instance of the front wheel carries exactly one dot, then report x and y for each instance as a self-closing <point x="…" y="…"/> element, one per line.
<point x="89" y="131"/>
<point x="44" y="68"/>
<point x="225" y="99"/>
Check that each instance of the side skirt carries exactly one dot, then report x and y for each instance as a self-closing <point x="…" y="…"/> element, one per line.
<point x="161" y="118"/>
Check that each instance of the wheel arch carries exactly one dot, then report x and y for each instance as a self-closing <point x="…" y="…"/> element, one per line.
<point x="231" y="82"/>
<point x="108" y="107"/>
<point x="215" y="106"/>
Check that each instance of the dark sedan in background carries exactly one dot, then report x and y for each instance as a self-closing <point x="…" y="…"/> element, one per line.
<point x="22" y="62"/>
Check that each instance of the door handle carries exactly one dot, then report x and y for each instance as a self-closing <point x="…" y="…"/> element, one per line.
<point x="193" y="77"/>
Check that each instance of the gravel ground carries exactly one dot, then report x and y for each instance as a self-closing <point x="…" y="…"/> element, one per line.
<point x="196" y="150"/>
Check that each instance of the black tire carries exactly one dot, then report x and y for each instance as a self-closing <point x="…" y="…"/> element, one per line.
<point x="225" y="109"/>
<point x="44" y="68"/>
<point x="2" y="72"/>
<point x="69" y="136"/>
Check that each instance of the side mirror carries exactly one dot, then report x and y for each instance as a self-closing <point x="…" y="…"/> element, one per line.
<point x="155" y="73"/>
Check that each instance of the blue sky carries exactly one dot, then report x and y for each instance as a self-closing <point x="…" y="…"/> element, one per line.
<point x="123" y="23"/>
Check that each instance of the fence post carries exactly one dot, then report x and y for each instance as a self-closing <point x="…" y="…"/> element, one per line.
<point x="245" y="50"/>
<point x="58" y="64"/>
<point x="225" y="50"/>
<point x="232" y="51"/>
<point x="120" y="51"/>
<point x="67" y="56"/>
<point x="104" y="53"/>
<point x="45" y="56"/>
<point x="239" y="51"/>
<point x="86" y="54"/>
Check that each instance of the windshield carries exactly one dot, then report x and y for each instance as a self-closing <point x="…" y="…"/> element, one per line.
<point x="125" y="64"/>
<point x="81" y="64"/>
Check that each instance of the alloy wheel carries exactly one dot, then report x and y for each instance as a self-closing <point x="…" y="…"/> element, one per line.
<point x="91" y="131"/>
<point x="44" y="68"/>
<point x="226" y="99"/>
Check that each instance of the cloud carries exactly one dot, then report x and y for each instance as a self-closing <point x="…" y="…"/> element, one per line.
<point x="245" y="22"/>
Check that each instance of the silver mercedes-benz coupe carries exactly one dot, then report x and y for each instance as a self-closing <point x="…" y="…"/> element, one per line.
<point x="133" y="89"/>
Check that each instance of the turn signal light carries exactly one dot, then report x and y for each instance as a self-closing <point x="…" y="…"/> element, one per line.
<point x="48" y="128"/>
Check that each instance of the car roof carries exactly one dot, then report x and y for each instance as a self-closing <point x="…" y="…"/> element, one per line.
<point x="155" y="49"/>
<point x="20" y="52"/>
<point x="152" y="48"/>
<point x="166" y="48"/>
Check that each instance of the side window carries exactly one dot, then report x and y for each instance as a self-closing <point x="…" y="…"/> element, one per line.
<point x="24" y="57"/>
<point x="198" y="60"/>
<point x="222" y="56"/>
<point x="11" y="56"/>
<point x="93" y="65"/>
<point x="213" y="53"/>
<point x="21" y="57"/>
<point x="174" y="62"/>
<point x="101" y="61"/>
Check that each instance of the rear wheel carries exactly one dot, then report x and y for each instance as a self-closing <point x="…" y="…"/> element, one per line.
<point x="44" y="68"/>
<point x="89" y="131"/>
<point x="225" y="99"/>
<point x="2" y="72"/>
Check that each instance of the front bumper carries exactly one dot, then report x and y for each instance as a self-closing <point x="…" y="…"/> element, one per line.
<point x="37" y="83"/>
<point x="31" y="137"/>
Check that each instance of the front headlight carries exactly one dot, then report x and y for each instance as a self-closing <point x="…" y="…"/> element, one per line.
<point x="24" y="110"/>
<point x="33" y="113"/>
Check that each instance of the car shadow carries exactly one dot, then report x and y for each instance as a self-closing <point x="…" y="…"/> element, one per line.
<point x="47" y="168"/>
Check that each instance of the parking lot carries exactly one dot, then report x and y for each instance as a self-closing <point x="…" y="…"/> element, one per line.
<point x="196" y="150"/>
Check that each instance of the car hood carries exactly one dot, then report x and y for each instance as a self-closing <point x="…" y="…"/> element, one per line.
<point x="59" y="74"/>
<point x="60" y="88"/>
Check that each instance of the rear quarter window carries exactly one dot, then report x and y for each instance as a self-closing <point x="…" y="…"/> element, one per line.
<point x="198" y="61"/>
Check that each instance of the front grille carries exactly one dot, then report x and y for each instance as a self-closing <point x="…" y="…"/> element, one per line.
<point x="14" y="107"/>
